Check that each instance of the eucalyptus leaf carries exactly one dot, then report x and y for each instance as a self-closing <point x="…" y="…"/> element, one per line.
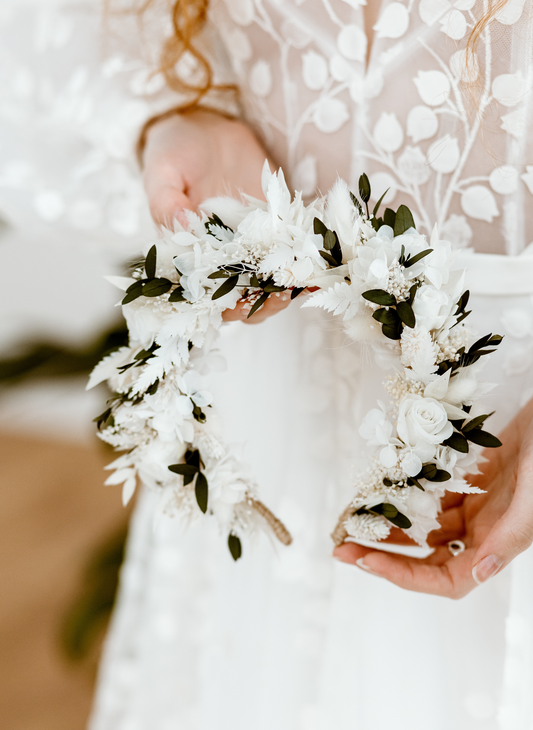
<point x="319" y="227"/>
<point x="476" y="422"/>
<point x="258" y="304"/>
<point x="184" y="469"/>
<point x="201" y="491"/>
<point x="192" y="456"/>
<point x="393" y="333"/>
<point x="400" y="520"/>
<point x="389" y="217"/>
<point x="235" y="546"/>
<point x="463" y="301"/>
<point x="226" y="287"/>
<point x="404" y="220"/>
<point x="328" y="257"/>
<point x="133" y="292"/>
<point x="364" y="188"/>
<point x="377" y="205"/>
<point x="102" y="418"/>
<point x="413" y="482"/>
<point x="406" y="314"/>
<point x="219" y="275"/>
<point x="479" y="344"/>
<point x="356" y="203"/>
<point x="427" y="471"/>
<point x="419" y="256"/>
<point x="483" y="438"/>
<point x="457" y="442"/>
<point x="330" y="239"/>
<point x="386" y="316"/>
<point x="391" y="513"/>
<point x="151" y="262"/>
<point x="214" y="220"/>
<point x="156" y="287"/>
<point x="380" y="296"/>
<point x="152" y="390"/>
<point x="177" y="295"/>
<point x="271" y="288"/>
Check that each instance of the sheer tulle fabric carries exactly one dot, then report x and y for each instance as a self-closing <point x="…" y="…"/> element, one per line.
<point x="288" y="638"/>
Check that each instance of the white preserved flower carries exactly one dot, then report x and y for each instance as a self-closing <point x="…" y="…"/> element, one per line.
<point x="431" y="307"/>
<point x="422" y="420"/>
<point x="419" y="351"/>
<point x="367" y="527"/>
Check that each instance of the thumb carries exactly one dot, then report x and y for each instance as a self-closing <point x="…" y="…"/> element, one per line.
<point x="512" y="533"/>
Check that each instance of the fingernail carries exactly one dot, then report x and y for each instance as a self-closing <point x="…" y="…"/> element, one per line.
<point x="486" y="568"/>
<point x="361" y="564"/>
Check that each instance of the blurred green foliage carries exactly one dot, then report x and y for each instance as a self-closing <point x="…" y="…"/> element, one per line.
<point x="46" y="360"/>
<point x="85" y="620"/>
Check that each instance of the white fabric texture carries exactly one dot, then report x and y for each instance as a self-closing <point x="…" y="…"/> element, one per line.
<point x="287" y="638"/>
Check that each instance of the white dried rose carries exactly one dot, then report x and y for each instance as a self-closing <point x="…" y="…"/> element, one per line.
<point x="431" y="307"/>
<point x="422" y="420"/>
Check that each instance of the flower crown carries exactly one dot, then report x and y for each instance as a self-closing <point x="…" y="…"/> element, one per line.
<point x="375" y="272"/>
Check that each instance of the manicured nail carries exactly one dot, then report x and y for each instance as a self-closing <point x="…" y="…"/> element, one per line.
<point x="361" y="564"/>
<point x="486" y="568"/>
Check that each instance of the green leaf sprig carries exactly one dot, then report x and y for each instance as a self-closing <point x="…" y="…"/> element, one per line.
<point x="191" y="470"/>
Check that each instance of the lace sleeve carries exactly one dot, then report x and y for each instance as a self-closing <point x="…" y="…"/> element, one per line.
<point x="76" y="89"/>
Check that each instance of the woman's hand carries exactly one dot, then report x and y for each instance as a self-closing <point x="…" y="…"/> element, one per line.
<point x="495" y="527"/>
<point x="198" y="155"/>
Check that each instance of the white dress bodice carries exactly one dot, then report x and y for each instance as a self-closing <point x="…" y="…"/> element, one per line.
<point x="446" y="133"/>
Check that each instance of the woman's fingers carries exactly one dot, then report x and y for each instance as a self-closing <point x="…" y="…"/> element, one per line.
<point x="440" y="574"/>
<point x="273" y="305"/>
<point x="509" y="536"/>
<point x="167" y="193"/>
<point x="452" y="527"/>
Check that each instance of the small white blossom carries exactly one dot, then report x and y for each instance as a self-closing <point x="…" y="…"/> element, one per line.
<point x="367" y="527"/>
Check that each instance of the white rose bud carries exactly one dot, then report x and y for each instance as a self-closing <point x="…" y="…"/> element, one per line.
<point x="422" y="420"/>
<point x="431" y="307"/>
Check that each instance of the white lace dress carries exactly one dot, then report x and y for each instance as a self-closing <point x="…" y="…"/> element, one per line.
<point x="287" y="638"/>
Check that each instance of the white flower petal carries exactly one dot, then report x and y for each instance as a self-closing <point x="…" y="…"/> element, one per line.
<point x="388" y="457"/>
<point x="128" y="490"/>
<point x="305" y="175"/>
<point x="411" y="464"/>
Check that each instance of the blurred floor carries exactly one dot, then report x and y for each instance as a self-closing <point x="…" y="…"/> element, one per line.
<point x="54" y="512"/>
